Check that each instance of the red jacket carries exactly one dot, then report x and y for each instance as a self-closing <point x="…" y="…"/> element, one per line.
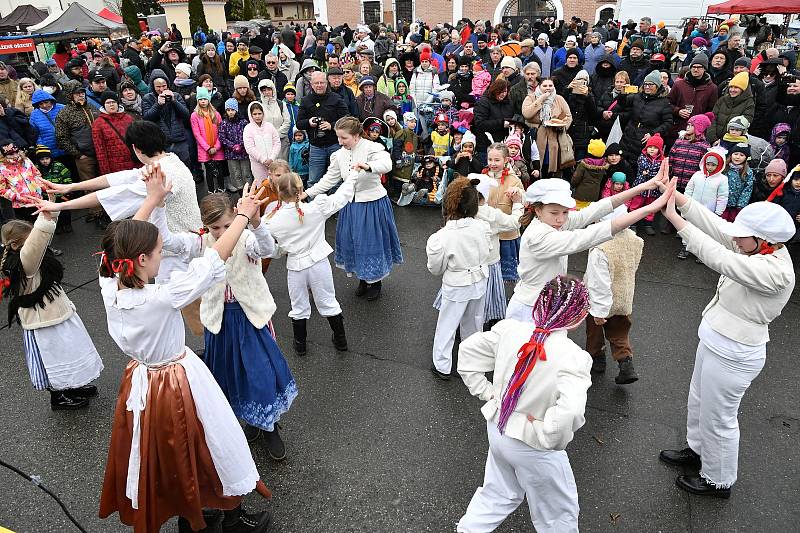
<point x="113" y="154"/>
<point x="701" y="95"/>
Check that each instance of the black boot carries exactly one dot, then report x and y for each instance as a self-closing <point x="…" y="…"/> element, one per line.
<point x="373" y="291"/>
<point x="699" y="486"/>
<point x="627" y="374"/>
<point x="684" y="457"/>
<point x="339" y="338"/>
<point x="61" y="400"/>
<point x="648" y="228"/>
<point x="251" y="433"/>
<point x="299" y="329"/>
<point x="213" y="518"/>
<point x="275" y="447"/>
<point x="87" y="391"/>
<point x="238" y="521"/>
<point x="362" y="288"/>
<point x="489" y="325"/>
<point x="598" y="363"/>
<point x="683" y="254"/>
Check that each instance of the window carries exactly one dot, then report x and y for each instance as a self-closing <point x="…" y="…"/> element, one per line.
<point x="278" y="11"/>
<point x="308" y="11"/>
<point x="403" y="12"/>
<point x="372" y="12"/>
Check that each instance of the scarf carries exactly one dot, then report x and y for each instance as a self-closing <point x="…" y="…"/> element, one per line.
<point x="208" y="126"/>
<point x="546" y="112"/>
<point x="132" y="105"/>
<point x="51" y="272"/>
<point x="188" y="82"/>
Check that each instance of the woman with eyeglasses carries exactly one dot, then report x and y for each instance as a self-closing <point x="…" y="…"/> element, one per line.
<point x="649" y="112"/>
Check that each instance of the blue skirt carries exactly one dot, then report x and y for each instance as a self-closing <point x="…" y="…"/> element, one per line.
<point x="367" y="243"/>
<point x="250" y="369"/>
<point x="494" y="307"/>
<point x="509" y="259"/>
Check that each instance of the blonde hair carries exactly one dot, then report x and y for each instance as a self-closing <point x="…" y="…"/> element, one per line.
<point x="349" y="124"/>
<point x="278" y="167"/>
<point x="208" y="111"/>
<point x="622" y="75"/>
<point x="288" y="186"/>
<point x="500" y="147"/>
<point x="23" y="97"/>
<point x="13" y="235"/>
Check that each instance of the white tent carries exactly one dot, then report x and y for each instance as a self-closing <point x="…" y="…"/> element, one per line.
<point x="80" y="20"/>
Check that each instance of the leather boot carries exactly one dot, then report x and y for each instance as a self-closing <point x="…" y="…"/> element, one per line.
<point x="684" y="457"/>
<point x="373" y="291"/>
<point x="699" y="486"/>
<point x="274" y="443"/>
<point x="339" y="338"/>
<point x="238" y="521"/>
<point x="627" y="374"/>
<point x="213" y="518"/>
<point x="362" y="288"/>
<point x="61" y="400"/>
<point x="300" y="334"/>
<point x="598" y="363"/>
<point x="87" y="391"/>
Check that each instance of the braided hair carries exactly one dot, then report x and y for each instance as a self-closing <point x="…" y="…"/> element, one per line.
<point x="289" y="186"/>
<point x="562" y="305"/>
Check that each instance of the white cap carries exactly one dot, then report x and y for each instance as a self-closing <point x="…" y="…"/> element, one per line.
<point x="612" y="44"/>
<point x="468" y="137"/>
<point x="190" y="50"/>
<point x="485" y="185"/>
<point x="409" y="115"/>
<point x="764" y="220"/>
<point x="550" y="191"/>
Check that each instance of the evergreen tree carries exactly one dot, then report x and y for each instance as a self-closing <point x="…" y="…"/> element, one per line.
<point x="197" y="17"/>
<point x="247" y="10"/>
<point x="130" y="18"/>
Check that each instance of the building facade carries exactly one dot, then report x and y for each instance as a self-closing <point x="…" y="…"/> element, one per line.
<point x="335" y="12"/>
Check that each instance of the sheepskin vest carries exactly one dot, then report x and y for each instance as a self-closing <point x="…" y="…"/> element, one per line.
<point x="248" y="285"/>
<point x="624" y="252"/>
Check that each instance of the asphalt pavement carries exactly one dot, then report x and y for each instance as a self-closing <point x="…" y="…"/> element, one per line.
<point x="377" y="444"/>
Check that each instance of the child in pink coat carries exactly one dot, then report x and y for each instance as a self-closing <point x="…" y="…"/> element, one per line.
<point x="261" y="141"/>
<point x="205" y="127"/>
<point x="617" y="184"/>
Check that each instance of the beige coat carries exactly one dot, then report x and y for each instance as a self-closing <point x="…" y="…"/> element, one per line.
<point x="547" y="137"/>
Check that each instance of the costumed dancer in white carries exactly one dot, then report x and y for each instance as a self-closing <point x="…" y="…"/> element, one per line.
<point x="176" y="445"/>
<point x="556" y="231"/>
<point x="459" y="252"/>
<point x="61" y="356"/>
<point x="240" y="347"/>
<point x="756" y="282"/>
<point x="299" y="229"/>
<point x="533" y="408"/>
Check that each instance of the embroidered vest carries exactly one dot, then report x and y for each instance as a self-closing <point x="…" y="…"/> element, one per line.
<point x="624" y="252"/>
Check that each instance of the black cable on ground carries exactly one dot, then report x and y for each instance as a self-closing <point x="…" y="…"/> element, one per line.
<point x="38" y="482"/>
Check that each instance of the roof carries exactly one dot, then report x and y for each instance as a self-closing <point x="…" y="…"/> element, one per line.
<point x="80" y="20"/>
<point x="22" y="17"/>
<point x="110" y="15"/>
<point x="756" y="7"/>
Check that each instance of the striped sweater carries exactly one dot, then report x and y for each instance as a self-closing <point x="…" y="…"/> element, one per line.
<point x="684" y="159"/>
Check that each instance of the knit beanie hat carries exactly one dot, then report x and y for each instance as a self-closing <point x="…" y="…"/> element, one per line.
<point x="573" y="52"/>
<point x="654" y="77"/>
<point x="740" y="122"/>
<point x="699" y="41"/>
<point x="512" y="140"/>
<point x="700" y="59"/>
<point x="203" y="94"/>
<point x="231" y="103"/>
<point x="185" y="68"/>
<point x="656" y="141"/>
<point x="776" y="166"/>
<point x="638" y="43"/>
<point x="741" y="80"/>
<point x="743" y="62"/>
<point x="509" y="62"/>
<point x="425" y="55"/>
<point x="389" y="113"/>
<point x="468" y="138"/>
<point x="43" y="151"/>
<point x="446" y="95"/>
<point x="701" y="123"/>
<point x="240" y="81"/>
<point x="108" y="95"/>
<point x="742" y="148"/>
<point x="618" y="177"/>
<point x="409" y="115"/>
<point x="289" y="88"/>
<point x="613" y="148"/>
<point x="597" y="148"/>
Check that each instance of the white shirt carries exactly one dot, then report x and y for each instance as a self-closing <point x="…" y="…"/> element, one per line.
<point x="598" y="281"/>
<point x="499" y="222"/>
<point x="368" y="186"/>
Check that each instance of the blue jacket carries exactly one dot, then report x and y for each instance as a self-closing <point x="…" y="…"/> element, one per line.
<point x="560" y="58"/>
<point x="593" y="55"/>
<point x="45" y="123"/>
<point x="172" y="117"/>
<point x="292" y="109"/>
<point x="298" y="156"/>
<point x="739" y="191"/>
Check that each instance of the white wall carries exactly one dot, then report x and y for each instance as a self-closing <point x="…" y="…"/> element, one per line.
<point x="51" y="6"/>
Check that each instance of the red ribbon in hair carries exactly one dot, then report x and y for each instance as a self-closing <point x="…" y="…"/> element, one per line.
<point x="503" y="174"/>
<point x="766" y="249"/>
<point x="4" y="284"/>
<point x="534" y="349"/>
<point x="117" y="265"/>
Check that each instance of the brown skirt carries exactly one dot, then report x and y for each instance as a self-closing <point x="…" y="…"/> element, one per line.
<point x="177" y="475"/>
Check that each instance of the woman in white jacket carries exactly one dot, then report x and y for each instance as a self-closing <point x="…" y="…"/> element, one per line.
<point x="556" y="232"/>
<point x="757" y="280"/>
<point x="367" y="244"/>
<point x="261" y="142"/>
<point x="300" y="230"/>
<point x="533" y="407"/>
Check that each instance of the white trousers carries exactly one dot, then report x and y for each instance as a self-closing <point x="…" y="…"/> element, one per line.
<point x="467" y="315"/>
<point x="519" y="311"/>
<point x="712" y="424"/>
<point x="514" y="471"/>
<point x="318" y="279"/>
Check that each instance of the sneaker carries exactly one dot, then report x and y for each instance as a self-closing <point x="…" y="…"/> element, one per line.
<point x="246" y="522"/>
<point x="627" y="374"/>
<point x="275" y="446"/>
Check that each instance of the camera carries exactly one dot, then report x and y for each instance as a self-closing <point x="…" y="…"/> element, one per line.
<point x="788" y="79"/>
<point x="167" y="98"/>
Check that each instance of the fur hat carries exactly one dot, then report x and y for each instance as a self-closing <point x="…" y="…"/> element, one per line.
<point x="597" y="148"/>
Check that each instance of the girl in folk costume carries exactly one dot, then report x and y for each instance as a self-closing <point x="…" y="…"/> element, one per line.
<point x="367" y="244"/>
<point x="555" y="231"/>
<point x="460" y="253"/>
<point x="611" y="280"/>
<point x="30" y="276"/>
<point x="757" y="280"/>
<point x="205" y="127"/>
<point x="498" y="169"/>
<point x="176" y="446"/>
<point x="241" y="350"/>
<point x="534" y="406"/>
<point x="262" y="142"/>
<point x="301" y="234"/>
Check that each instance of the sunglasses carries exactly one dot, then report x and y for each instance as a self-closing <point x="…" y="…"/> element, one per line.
<point x="252" y="68"/>
<point x="272" y="62"/>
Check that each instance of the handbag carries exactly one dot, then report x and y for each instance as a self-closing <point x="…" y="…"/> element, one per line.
<point x="566" y="151"/>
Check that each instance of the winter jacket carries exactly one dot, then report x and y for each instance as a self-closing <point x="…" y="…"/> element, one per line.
<point x="592" y="55"/>
<point x="172" y="117"/>
<point x="644" y="114"/>
<point x="292" y="109"/>
<point x="159" y="62"/>
<point x="218" y="77"/>
<point x="423" y="83"/>
<point x="563" y="77"/>
<point x="647" y="168"/>
<point x="584" y="117"/>
<point x="386" y="83"/>
<point x="108" y="134"/>
<point x="587" y="179"/>
<point x="790" y="200"/>
<point x="278" y="78"/>
<point x="376" y="108"/>
<point x="602" y="80"/>
<point x="275" y="111"/>
<point x="74" y="128"/>
<point x="135" y="76"/>
<point x="404" y="148"/>
<point x="134" y="59"/>
<point x="231" y="135"/>
<point x="739" y="190"/>
<point x="684" y="159"/>
<point x="328" y="106"/>
<point x="761" y="190"/>
<point x="637" y="70"/>
<point x="774" y="112"/>
<point x="462" y="89"/>
<point x="298" y="156"/>
<point x="262" y="143"/>
<point x="8" y="88"/>
<point x="560" y="58"/>
<point x="725" y="109"/>
<point x="489" y="117"/>
<point x="710" y="191"/>
<point x="45" y="123"/>
<point x="547" y="137"/>
<point x="701" y="94"/>
<point x="20" y="179"/>
<point x="201" y="138"/>
<point x="350" y="100"/>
